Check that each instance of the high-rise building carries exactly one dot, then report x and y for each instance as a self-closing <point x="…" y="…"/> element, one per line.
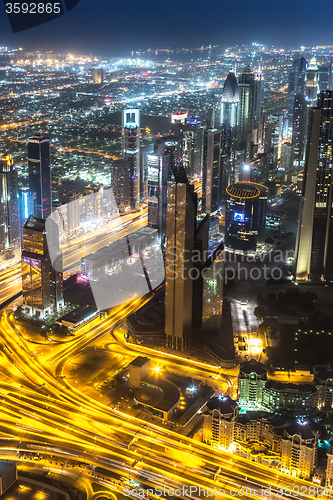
<point x="211" y="174"/>
<point x="314" y="243"/>
<point x="191" y="142"/>
<point x="325" y="76"/>
<point x="39" y="167"/>
<point x="213" y="292"/>
<point x="311" y="83"/>
<point x="131" y="151"/>
<point x="179" y="118"/>
<point x="245" y="216"/>
<point x="42" y="286"/>
<point x="229" y="117"/>
<point x="250" y="112"/>
<point x="287" y="157"/>
<point x="10" y="231"/>
<point x="158" y="167"/>
<point x="296" y="81"/>
<point x="181" y="220"/>
<point x="121" y="184"/>
<point x="172" y="147"/>
<point x="98" y="76"/>
<point x="299" y="129"/>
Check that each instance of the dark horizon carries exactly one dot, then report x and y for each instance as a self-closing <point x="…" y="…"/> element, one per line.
<point x="117" y="30"/>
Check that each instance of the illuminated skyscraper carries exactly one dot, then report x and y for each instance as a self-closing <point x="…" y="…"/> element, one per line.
<point x="296" y="81"/>
<point x="300" y="115"/>
<point x="121" y="184"/>
<point x="311" y="83"/>
<point x="158" y="174"/>
<point x="245" y="216"/>
<point x="325" y="76"/>
<point x="287" y="157"/>
<point x="211" y="174"/>
<point x="98" y="76"/>
<point x="39" y="166"/>
<point x="250" y="112"/>
<point x="131" y="151"/>
<point x="10" y="239"/>
<point x="314" y="243"/>
<point x="229" y="117"/>
<point x="191" y="141"/>
<point x="41" y="285"/>
<point x="181" y="222"/>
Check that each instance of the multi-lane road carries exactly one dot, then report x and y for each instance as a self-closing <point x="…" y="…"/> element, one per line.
<point x="57" y="419"/>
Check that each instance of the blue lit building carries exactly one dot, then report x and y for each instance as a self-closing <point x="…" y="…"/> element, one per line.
<point x="245" y="216"/>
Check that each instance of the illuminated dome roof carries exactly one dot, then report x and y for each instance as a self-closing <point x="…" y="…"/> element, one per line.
<point x="230" y="89"/>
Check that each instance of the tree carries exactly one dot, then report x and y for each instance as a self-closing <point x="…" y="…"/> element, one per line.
<point x="259" y="312"/>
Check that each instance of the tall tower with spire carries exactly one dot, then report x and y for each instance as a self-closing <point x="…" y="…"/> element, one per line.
<point x="312" y="83"/>
<point x="229" y="121"/>
<point x="250" y="112"/>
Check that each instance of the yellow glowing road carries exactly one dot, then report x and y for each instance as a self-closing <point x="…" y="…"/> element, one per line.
<point x="10" y="282"/>
<point x="58" y="419"/>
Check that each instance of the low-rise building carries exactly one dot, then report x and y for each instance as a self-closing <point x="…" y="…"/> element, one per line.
<point x="219" y="422"/>
<point x="298" y="399"/>
<point x="138" y="368"/>
<point x="323" y="379"/>
<point x="8" y="475"/>
<point x="299" y="449"/>
<point x="263" y="436"/>
<point x="251" y="382"/>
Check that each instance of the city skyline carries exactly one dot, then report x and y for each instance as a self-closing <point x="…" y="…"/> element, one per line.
<point x="117" y="30"/>
<point x="165" y="239"/>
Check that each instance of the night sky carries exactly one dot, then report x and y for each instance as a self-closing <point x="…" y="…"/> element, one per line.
<point x="116" y="28"/>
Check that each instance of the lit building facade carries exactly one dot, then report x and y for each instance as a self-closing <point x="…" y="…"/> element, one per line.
<point x="250" y="112"/>
<point x="312" y="83"/>
<point x="252" y="379"/>
<point x="181" y="221"/>
<point x="131" y="151"/>
<point x="219" y="422"/>
<point x="39" y="168"/>
<point x="191" y="141"/>
<point x="10" y="231"/>
<point x="329" y="467"/>
<point x="98" y="76"/>
<point x="229" y="120"/>
<point x="245" y="216"/>
<point x="291" y="444"/>
<point x="314" y="242"/>
<point x="212" y="175"/>
<point x="325" y="76"/>
<point x="323" y="379"/>
<point x="42" y="286"/>
<point x="275" y="223"/>
<point x="299" y="449"/>
<point x="299" y="135"/>
<point x="158" y="168"/>
<point x="296" y="84"/>
<point x="213" y="280"/>
<point x="121" y="184"/>
<point x="287" y="157"/>
<point x="299" y="399"/>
